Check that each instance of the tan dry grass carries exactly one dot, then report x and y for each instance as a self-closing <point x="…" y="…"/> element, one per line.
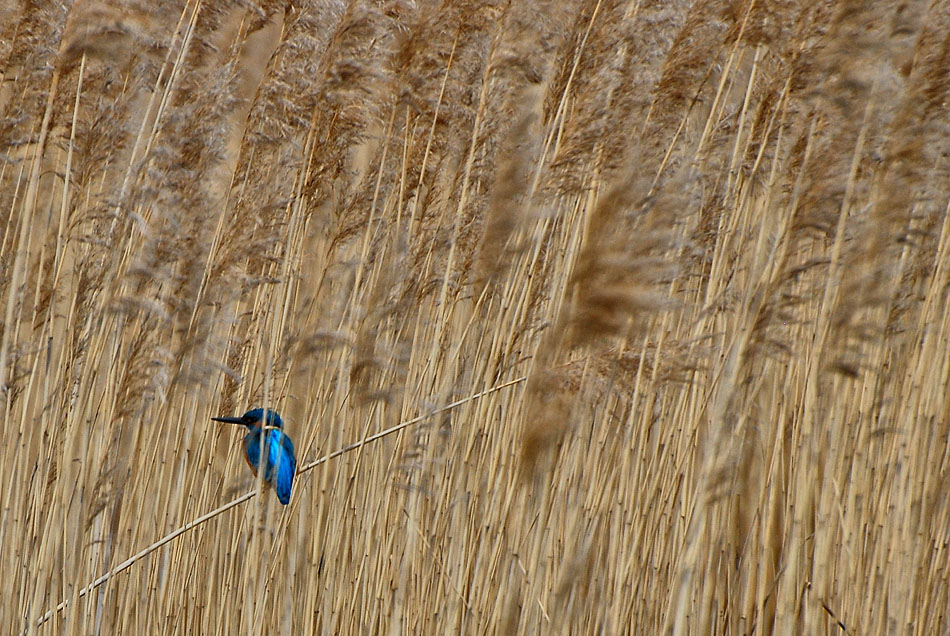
<point x="713" y="237"/>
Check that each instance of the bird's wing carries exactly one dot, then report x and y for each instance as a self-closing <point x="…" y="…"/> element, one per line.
<point x="287" y="445"/>
<point x="286" y="465"/>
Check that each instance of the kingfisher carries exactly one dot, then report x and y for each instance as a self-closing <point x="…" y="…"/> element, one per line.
<point x="265" y="426"/>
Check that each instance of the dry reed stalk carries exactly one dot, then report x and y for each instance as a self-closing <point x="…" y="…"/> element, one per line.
<point x="206" y="206"/>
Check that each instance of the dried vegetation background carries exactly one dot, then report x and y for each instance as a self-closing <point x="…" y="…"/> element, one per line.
<point x="712" y="238"/>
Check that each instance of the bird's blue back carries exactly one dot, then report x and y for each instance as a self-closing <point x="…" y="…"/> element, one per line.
<point x="281" y="463"/>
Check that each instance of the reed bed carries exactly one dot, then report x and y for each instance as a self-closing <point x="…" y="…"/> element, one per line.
<point x="658" y="291"/>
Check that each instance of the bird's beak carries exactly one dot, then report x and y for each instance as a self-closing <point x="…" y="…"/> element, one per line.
<point x="229" y="420"/>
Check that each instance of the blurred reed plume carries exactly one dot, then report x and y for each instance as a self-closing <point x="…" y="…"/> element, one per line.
<point x="701" y="247"/>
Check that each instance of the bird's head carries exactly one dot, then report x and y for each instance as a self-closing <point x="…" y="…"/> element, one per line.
<point x="255" y="418"/>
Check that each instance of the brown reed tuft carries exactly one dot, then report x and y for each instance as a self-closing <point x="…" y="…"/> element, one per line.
<point x="649" y="298"/>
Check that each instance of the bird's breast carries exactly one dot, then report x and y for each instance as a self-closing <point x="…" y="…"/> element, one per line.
<point x="252" y="450"/>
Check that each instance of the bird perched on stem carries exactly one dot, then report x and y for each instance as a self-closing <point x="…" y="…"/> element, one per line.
<point x="264" y="430"/>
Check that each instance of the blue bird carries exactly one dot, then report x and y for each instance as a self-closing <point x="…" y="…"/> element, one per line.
<point x="281" y="465"/>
